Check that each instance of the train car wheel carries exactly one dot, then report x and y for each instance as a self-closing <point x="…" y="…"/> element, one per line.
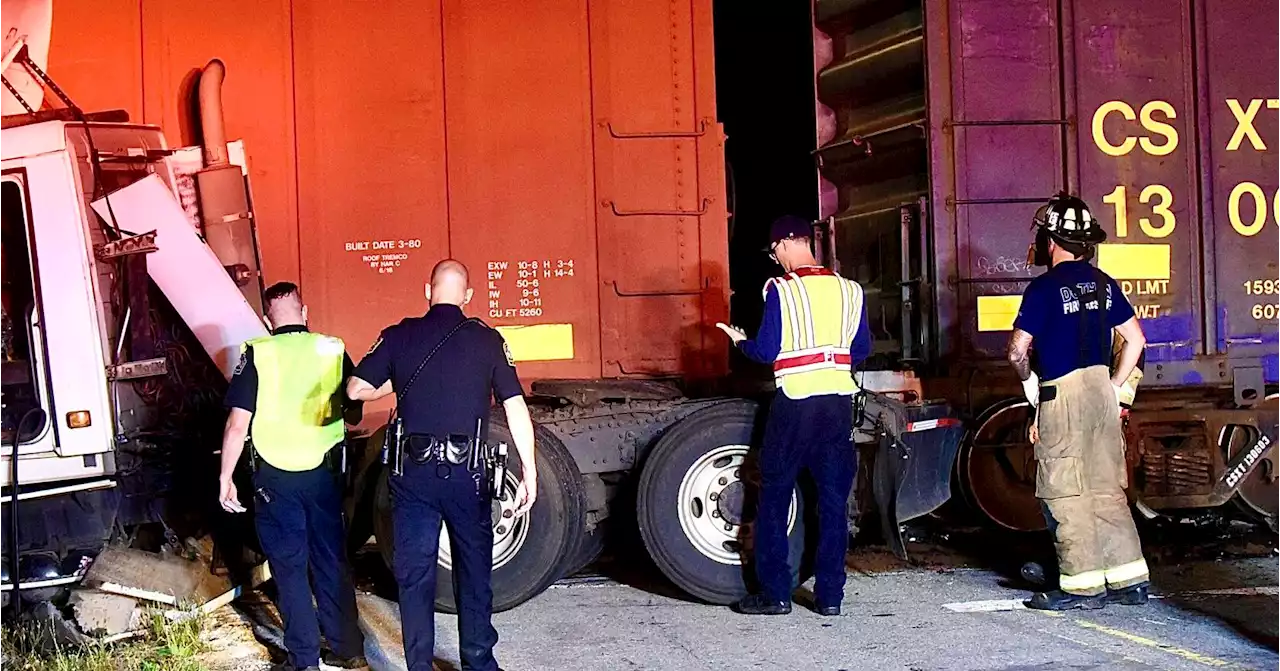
<point x="998" y="467"/>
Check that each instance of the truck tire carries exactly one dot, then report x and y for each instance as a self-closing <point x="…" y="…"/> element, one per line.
<point x="529" y="553"/>
<point x="590" y="547"/>
<point x="361" y="494"/>
<point x="691" y="488"/>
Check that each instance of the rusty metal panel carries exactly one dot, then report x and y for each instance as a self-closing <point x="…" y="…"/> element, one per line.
<point x="446" y="138"/>
<point x="252" y="37"/>
<point x="712" y="358"/>
<point x="95" y="54"/>
<point x="372" y="205"/>
<point x="659" y="201"/>
<point x="1005" y="130"/>
<point x="520" y="175"/>
<point x="1238" y="95"/>
<point x="1136" y="132"/>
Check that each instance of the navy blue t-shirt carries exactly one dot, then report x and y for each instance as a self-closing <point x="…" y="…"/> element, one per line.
<point x="454" y="388"/>
<point x="1060" y="311"/>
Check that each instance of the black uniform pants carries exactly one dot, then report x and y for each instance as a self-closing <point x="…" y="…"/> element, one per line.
<point x="300" y="529"/>
<point x="816" y="434"/>
<point x="420" y="501"/>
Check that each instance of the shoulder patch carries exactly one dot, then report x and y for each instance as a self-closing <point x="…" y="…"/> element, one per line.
<point x="374" y="346"/>
<point x="506" y="351"/>
<point x="244" y="360"/>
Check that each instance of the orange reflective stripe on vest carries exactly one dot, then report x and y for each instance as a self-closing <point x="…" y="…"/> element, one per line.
<point x="820" y="315"/>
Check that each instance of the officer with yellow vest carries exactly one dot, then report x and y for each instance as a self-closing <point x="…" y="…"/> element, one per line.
<point x="287" y="397"/>
<point x="814" y="332"/>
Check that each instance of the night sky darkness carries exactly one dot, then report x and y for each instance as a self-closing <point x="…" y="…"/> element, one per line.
<point x="764" y="94"/>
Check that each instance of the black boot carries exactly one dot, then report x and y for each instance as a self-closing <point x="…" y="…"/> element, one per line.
<point x="759" y="604"/>
<point x="330" y="659"/>
<point x="1133" y="595"/>
<point x="1059" y="600"/>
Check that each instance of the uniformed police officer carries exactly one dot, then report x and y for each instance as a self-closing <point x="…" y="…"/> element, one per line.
<point x="444" y="368"/>
<point x="814" y="332"/>
<point x="1070" y="313"/>
<point x="287" y="397"/>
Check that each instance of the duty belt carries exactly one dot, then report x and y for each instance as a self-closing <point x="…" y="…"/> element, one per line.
<point x="455" y="448"/>
<point x="483" y="461"/>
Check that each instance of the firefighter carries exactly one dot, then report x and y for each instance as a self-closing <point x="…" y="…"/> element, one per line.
<point x="814" y="333"/>
<point x="286" y="397"/>
<point x="443" y="369"/>
<point x="1070" y="313"/>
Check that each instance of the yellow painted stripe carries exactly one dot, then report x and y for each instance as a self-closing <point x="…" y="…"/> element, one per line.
<point x="1190" y="655"/>
<point x="996" y="313"/>
<point x="1134" y="261"/>
<point x="539" y="342"/>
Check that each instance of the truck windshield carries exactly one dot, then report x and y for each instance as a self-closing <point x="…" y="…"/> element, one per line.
<point x="22" y="348"/>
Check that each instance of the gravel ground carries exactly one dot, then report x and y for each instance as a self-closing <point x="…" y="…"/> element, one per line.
<point x="1212" y="614"/>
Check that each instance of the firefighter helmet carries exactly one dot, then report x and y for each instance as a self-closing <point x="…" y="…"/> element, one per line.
<point x="1066" y="218"/>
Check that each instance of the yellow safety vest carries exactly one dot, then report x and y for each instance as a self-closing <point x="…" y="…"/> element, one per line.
<point x="820" y="315"/>
<point x="299" y="406"/>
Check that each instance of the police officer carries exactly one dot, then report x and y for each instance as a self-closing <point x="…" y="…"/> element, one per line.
<point x="444" y="368"/>
<point x="814" y="332"/>
<point x="1070" y="313"/>
<point x="287" y="397"/>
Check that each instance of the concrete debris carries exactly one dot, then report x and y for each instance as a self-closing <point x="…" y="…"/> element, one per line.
<point x="104" y="614"/>
<point x="154" y="577"/>
<point x="54" y="630"/>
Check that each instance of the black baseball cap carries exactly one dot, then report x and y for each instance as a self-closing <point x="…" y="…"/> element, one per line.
<point x="788" y="226"/>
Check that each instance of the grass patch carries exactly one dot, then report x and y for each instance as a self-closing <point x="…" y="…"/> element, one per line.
<point x="163" y="646"/>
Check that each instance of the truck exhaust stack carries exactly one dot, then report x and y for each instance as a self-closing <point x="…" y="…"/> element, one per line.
<point x="225" y="215"/>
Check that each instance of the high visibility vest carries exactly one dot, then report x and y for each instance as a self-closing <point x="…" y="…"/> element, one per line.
<point x="820" y="315"/>
<point x="299" y="407"/>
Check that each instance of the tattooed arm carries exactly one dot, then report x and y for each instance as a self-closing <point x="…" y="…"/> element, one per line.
<point x="1020" y="353"/>
<point x="1020" y="359"/>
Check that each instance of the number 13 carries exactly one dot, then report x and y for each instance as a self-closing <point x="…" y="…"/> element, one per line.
<point x="1161" y="208"/>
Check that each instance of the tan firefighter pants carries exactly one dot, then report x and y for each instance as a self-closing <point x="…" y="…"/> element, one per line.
<point x="1081" y="478"/>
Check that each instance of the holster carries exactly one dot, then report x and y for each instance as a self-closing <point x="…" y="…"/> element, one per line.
<point x="495" y="466"/>
<point x="336" y="459"/>
<point x="393" y="445"/>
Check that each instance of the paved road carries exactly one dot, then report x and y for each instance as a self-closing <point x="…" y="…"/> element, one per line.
<point x="1219" y="615"/>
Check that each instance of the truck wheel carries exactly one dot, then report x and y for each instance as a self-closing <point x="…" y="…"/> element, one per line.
<point x="359" y="499"/>
<point x="590" y="547"/>
<point x="528" y="552"/>
<point x="696" y="509"/>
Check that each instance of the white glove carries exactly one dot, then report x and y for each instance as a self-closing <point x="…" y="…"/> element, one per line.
<point x="1031" y="387"/>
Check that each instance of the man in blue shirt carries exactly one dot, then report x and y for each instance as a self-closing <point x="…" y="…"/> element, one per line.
<point x="814" y="333"/>
<point x="1070" y="313"/>
<point x="444" y="368"/>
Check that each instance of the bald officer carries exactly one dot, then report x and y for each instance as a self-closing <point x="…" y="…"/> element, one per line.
<point x="444" y="370"/>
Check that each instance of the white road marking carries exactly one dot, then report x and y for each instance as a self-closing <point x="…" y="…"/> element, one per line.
<point x="985" y="606"/>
